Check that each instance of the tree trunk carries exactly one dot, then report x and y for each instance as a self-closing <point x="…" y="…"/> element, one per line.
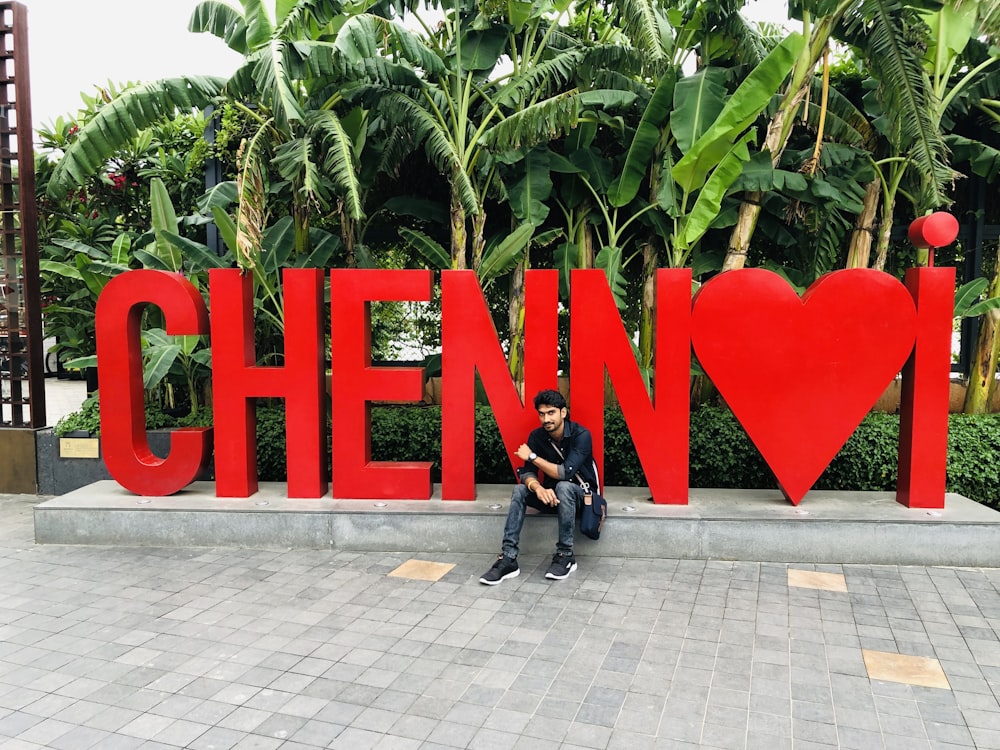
<point x="585" y="240"/>
<point x="984" y="361"/>
<point x="515" y="319"/>
<point x="739" y="240"/>
<point x="647" y="320"/>
<point x="347" y="237"/>
<point x="478" y="238"/>
<point x="777" y="137"/>
<point x="859" y="253"/>
<point x="458" y="233"/>
<point x="884" y="232"/>
<point x="300" y="218"/>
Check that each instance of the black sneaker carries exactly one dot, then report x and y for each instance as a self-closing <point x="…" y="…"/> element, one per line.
<point x="561" y="567"/>
<point x="503" y="568"/>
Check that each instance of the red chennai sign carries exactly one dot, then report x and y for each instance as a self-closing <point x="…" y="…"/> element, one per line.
<point x="798" y="372"/>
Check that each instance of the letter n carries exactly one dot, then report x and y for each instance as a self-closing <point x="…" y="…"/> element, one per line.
<point x="469" y="344"/>
<point x="237" y="382"/>
<point x="119" y="364"/>
<point x="599" y="343"/>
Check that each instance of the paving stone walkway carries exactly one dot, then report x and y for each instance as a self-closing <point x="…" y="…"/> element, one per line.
<point x="120" y="648"/>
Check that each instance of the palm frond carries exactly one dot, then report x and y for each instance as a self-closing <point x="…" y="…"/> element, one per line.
<point x="642" y="24"/>
<point x="397" y="146"/>
<point x="551" y="118"/>
<point x="402" y="110"/>
<point x="845" y="123"/>
<point x="412" y="49"/>
<point x="340" y="161"/>
<point x="538" y="123"/>
<point x="905" y="91"/>
<point x="295" y="162"/>
<point x="222" y="21"/>
<point x="989" y="19"/>
<point x="613" y="79"/>
<point x="752" y="45"/>
<point x="119" y="122"/>
<point x="305" y="17"/>
<point x="544" y="77"/>
<point x="275" y="85"/>
<point x="250" y="215"/>
<point x="831" y="236"/>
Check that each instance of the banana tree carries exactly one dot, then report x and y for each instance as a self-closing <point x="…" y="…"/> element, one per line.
<point x="949" y="72"/>
<point x="692" y="142"/>
<point x="283" y="86"/>
<point x="881" y="29"/>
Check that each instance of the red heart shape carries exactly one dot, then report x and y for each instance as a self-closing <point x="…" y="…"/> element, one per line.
<point x="800" y="374"/>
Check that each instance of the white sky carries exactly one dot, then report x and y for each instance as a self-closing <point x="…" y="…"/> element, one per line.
<point x="77" y="45"/>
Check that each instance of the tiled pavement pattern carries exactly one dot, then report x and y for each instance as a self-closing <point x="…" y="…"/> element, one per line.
<point x="225" y="648"/>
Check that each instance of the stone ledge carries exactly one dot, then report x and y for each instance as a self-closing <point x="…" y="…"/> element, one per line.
<point x="753" y="525"/>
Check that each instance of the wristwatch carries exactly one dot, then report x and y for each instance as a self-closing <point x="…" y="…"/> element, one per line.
<point x="532" y="456"/>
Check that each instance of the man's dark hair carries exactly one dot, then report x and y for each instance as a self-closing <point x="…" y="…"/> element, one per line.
<point x="550" y="398"/>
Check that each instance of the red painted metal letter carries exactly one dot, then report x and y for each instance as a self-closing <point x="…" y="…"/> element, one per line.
<point x="238" y="382"/>
<point x="119" y="355"/>
<point x="923" y="407"/>
<point x="469" y="344"/>
<point x="356" y="384"/>
<point x="599" y="342"/>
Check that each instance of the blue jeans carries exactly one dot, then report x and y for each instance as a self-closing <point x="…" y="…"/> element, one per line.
<point x="570" y="497"/>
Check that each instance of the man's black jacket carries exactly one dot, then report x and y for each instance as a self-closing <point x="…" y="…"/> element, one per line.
<point x="577" y="456"/>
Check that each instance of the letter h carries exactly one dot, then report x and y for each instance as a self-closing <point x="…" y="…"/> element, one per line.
<point x="237" y="382"/>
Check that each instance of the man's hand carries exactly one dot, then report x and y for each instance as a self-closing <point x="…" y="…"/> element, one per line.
<point x="523" y="451"/>
<point x="547" y="496"/>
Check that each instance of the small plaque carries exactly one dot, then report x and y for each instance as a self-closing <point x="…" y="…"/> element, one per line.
<point x="79" y="448"/>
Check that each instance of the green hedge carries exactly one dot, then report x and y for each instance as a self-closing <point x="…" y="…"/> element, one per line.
<point x="721" y="454"/>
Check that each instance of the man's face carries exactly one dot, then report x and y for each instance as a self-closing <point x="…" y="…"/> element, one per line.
<point x="551" y="418"/>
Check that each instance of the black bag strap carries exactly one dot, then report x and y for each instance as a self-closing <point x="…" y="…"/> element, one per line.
<point x="585" y="486"/>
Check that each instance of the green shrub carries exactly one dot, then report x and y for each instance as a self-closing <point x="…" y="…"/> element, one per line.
<point x="721" y="454"/>
<point x="867" y="462"/>
<point x="974" y="457"/>
<point x="202" y="417"/>
<point x="271" y="449"/>
<point x="621" y="462"/>
<point x="87" y="418"/>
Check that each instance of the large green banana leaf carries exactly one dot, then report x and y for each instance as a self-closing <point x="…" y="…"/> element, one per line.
<point x="222" y="21"/>
<point x="647" y="134"/>
<point x="698" y="100"/>
<point x="164" y="220"/>
<point x="610" y="260"/>
<point x="120" y="121"/>
<point x="709" y="200"/>
<point x="435" y="255"/>
<point x="740" y="110"/>
<point x="528" y="196"/>
<point x="500" y="257"/>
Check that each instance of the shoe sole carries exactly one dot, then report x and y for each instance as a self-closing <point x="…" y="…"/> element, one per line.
<point x="512" y="574"/>
<point x="554" y="577"/>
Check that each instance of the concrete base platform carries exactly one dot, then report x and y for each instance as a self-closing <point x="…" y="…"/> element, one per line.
<point x="751" y="525"/>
